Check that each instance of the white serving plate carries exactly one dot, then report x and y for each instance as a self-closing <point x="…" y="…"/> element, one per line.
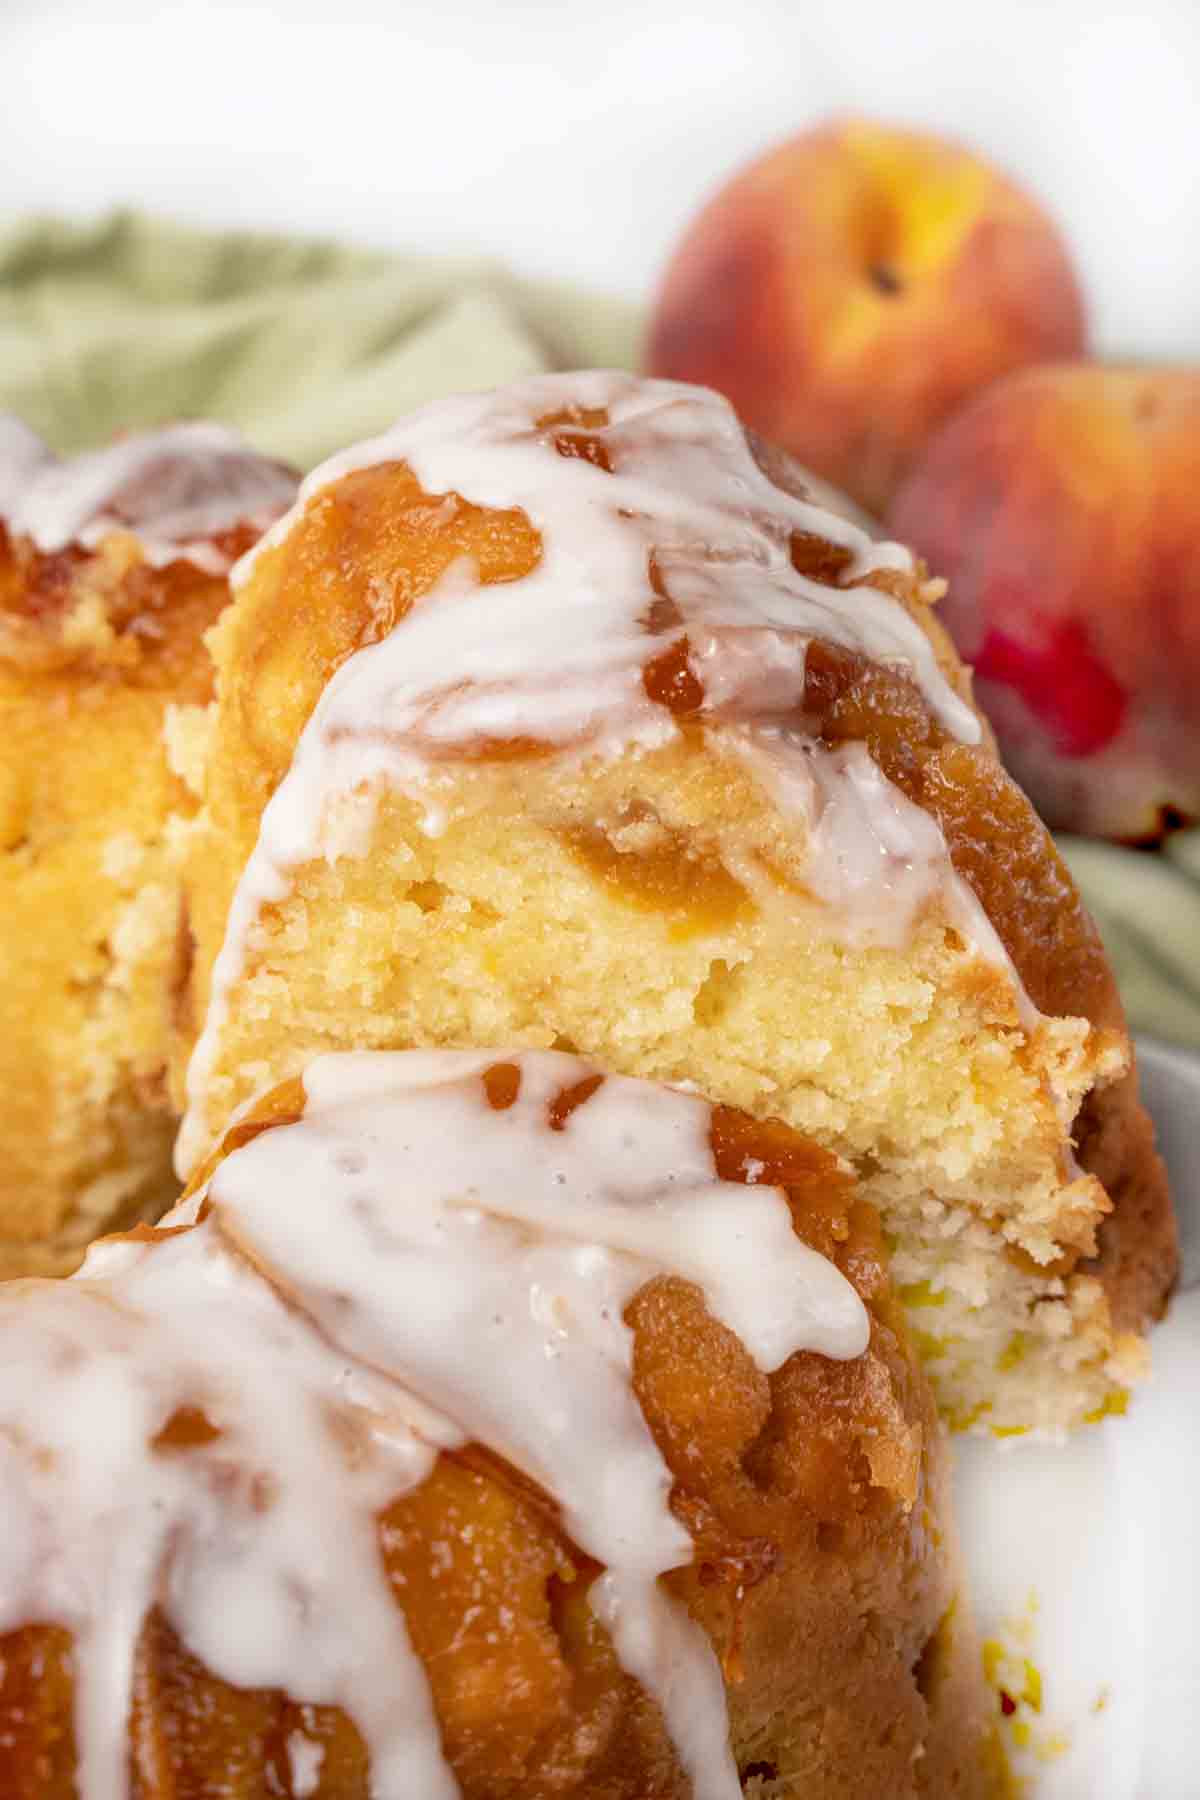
<point x="1103" y="1532"/>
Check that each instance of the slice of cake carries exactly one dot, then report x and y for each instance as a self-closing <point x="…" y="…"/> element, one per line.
<point x="559" y="716"/>
<point x="483" y="1426"/>
<point x="112" y="566"/>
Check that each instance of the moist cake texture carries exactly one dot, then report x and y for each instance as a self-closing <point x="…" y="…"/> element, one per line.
<point x="560" y="716"/>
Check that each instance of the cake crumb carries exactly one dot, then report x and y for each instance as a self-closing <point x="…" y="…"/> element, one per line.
<point x="1010" y="1669"/>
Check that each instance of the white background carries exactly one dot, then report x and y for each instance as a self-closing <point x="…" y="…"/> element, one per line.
<point x="576" y="136"/>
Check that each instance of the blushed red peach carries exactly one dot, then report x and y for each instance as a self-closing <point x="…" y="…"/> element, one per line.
<point x="1062" y="506"/>
<point x="854" y="287"/>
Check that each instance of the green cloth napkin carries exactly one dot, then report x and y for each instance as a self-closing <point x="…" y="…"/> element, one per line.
<point x="306" y="346"/>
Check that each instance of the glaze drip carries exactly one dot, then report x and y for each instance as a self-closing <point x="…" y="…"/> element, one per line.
<point x="872" y="853"/>
<point x="177" y="490"/>
<point x="407" y="1267"/>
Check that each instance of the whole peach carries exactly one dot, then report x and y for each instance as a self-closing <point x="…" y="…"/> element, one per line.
<point x="1062" y="505"/>
<point x="852" y="288"/>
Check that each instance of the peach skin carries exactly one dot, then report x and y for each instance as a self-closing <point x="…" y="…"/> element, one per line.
<point x="854" y="287"/>
<point x="1061" y="505"/>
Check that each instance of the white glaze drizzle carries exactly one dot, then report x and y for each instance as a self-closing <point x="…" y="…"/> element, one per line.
<point x="561" y="654"/>
<point x="562" y="651"/>
<point x="98" y="1527"/>
<point x="304" y="1758"/>
<point x="403" y="1268"/>
<point x="23" y="457"/>
<point x="872" y="853"/>
<point x="174" y="489"/>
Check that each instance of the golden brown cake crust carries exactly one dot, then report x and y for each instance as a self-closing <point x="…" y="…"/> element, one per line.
<point x="1000" y="846"/>
<point x="826" y="1576"/>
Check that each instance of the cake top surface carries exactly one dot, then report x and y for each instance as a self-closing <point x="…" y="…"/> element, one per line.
<point x="423" y="1249"/>
<point x="657" y="524"/>
<point x="178" y="490"/>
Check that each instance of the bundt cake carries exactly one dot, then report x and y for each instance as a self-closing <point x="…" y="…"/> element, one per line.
<point x="487" y="1426"/>
<point x="560" y="717"/>
<point x="112" y="566"/>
